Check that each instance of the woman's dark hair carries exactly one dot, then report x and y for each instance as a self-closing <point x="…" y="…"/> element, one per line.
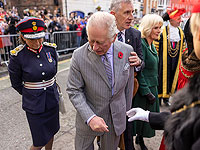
<point x="21" y="40"/>
<point x="188" y="36"/>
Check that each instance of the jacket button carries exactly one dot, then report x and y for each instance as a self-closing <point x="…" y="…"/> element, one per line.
<point x="41" y="65"/>
<point x="43" y="73"/>
<point x="38" y="56"/>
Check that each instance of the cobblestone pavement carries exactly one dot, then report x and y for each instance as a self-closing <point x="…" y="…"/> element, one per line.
<point x="14" y="130"/>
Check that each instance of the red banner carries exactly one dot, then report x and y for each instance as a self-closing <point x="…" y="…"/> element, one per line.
<point x="187" y="4"/>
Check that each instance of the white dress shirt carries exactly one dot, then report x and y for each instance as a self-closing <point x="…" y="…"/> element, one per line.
<point x="174" y="34"/>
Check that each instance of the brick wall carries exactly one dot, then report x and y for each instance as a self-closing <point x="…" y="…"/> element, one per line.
<point x="23" y="4"/>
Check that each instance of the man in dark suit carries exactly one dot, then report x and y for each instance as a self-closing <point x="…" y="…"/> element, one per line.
<point x="123" y="12"/>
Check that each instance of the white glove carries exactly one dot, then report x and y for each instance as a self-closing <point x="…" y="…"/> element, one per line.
<point x="138" y="114"/>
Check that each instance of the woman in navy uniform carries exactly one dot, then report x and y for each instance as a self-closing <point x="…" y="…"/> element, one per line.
<point x="32" y="70"/>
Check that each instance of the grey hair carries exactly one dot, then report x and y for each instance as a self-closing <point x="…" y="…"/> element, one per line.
<point x="103" y="20"/>
<point x="116" y="4"/>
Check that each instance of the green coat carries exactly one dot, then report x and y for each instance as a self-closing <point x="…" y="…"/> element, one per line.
<point x="148" y="82"/>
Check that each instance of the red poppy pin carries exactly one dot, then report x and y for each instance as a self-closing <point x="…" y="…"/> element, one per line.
<point x="120" y="55"/>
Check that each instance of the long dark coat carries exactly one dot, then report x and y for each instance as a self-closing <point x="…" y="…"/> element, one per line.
<point x="148" y="82"/>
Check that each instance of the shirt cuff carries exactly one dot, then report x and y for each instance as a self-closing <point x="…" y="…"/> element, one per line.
<point x="146" y="116"/>
<point x="90" y="118"/>
<point x="138" y="68"/>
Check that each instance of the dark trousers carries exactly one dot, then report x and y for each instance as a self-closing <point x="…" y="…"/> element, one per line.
<point x="128" y="136"/>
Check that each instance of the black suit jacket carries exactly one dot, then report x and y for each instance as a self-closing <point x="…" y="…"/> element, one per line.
<point x="133" y="38"/>
<point x="157" y="120"/>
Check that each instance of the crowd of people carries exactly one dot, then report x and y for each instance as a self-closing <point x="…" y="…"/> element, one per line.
<point x="117" y="78"/>
<point x="54" y="22"/>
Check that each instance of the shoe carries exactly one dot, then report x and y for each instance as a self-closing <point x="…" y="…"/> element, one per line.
<point x="166" y="102"/>
<point x="139" y="140"/>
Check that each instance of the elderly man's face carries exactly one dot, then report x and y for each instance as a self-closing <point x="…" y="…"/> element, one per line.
<point x="124" y="16"/>
<point x="98" y="40"/>
<point x="176" y="22"/>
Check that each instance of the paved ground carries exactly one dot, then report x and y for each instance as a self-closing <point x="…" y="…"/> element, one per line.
<point x="14" y="130"/>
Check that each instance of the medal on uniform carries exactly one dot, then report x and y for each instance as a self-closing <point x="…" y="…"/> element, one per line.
<point x="49" y="57"/>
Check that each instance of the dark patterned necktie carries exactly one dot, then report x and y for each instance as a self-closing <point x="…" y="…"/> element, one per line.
<point x="108" y="68"/>
<point x="119" y="35"/>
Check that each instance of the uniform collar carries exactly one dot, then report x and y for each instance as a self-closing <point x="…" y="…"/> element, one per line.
<point x="35" y="51"/>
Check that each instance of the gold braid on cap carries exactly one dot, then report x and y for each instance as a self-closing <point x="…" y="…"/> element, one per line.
<point x="185" y="107"/>
<point x="173" y="13"/>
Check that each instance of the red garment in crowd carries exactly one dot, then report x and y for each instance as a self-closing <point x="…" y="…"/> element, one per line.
<point x="185" y="72"/>
<point x="162" y="145"/>
<point x="183" y="76"/>
<point x="1" y="43"/>
<point x="79" y="29"/>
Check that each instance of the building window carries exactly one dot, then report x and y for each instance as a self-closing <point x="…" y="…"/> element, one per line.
<point x="161" y="2"/>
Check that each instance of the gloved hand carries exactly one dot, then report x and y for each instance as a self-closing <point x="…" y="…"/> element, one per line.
<point x="151" y="98"/>
<point x="138" y="114"/>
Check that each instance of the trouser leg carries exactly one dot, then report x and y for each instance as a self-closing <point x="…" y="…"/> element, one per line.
<point x="84" y="142"/>
<point x="128" y="137"/>
<point x="109" y="140"/>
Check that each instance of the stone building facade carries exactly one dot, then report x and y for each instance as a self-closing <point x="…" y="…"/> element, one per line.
<point x="31" y="4"/>
<point x="83" y="7"/>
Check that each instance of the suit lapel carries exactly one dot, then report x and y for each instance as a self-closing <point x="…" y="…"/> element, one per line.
<point x="118" y="63"/>
<point x="99" y="66"/>
<point x="128" y="37"/>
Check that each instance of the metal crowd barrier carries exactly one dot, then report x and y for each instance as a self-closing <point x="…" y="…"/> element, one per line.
<point x="7" y="43"/>
<point x="66" y="41"/>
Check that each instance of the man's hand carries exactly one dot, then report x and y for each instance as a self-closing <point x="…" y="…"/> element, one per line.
<point x="134" y="59"/>
<point x="138" y="114"/>
<point x="98" y="124"/>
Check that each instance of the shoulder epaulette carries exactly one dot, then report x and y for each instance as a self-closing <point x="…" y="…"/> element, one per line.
<point x="15" y="51"/>
<point x="50" y="44"/>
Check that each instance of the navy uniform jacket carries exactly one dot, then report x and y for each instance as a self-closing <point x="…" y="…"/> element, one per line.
<point x="29" y="66"/>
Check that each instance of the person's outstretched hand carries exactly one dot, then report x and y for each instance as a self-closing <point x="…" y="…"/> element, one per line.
<point x="138" y="114"/>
